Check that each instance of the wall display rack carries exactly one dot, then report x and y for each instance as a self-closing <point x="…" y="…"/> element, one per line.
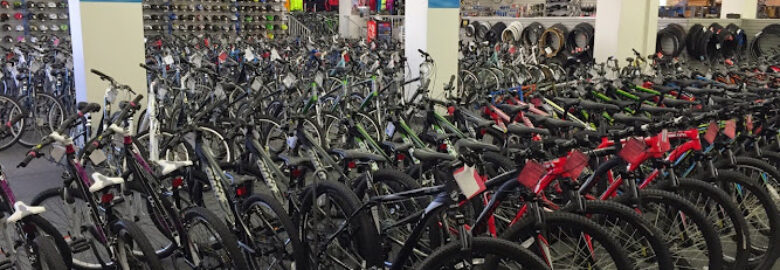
<point x="243" y="17"/>
<point x="34" y="21"/>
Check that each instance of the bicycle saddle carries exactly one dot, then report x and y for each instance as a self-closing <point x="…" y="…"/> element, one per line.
<point x="436" y="137"/>
<point x="475" y="145"/>
<point x="622" y="103"/>
<point x="167" y="167"/>
<point x="22" y="210"/>
<point x="511" y="109"/>
<point x="676" y="102"/>
<point x="294" y="161"/>
<point x="656" y="109"/>
<point x="523" y="130"/>
<point x="431" y="156"/>
<point x="479" y="121"/>
<point x="357" y="155"/>
<point x="397" y="147"/>
<point x="628" y="119"/>
<point x="723" y="101"/>
<point x="664" y="89"/>
<point x="689" y="82"/>
<point x="101" y="181"/>
<point x="703" y="91"/>
<point x="643" y="95"/>
<point x="550" y="123"/>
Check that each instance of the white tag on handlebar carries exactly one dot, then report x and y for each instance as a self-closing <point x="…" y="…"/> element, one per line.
<point x="390" y="130"/>
<point x="97" y="157"/>
<point x="168" y="60"/>
<point x="57" y="152"/>
<point x="469" y="181"/>
<point x="291" y="141"/>
<point x="548" y="50"/>
<point x="256" y="84"/>
<point x="249" y="55"/>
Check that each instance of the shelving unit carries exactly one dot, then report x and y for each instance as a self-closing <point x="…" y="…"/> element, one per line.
<point x="267" y="18"/>
<point x="34" y="21"/>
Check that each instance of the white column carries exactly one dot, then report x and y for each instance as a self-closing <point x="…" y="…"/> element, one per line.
<point x="433" y="26"/>
<point x="107" y="36"/>
<point x="746" y="8"/>
<point x="350" y="26"/>
<point x="623" y="25"/>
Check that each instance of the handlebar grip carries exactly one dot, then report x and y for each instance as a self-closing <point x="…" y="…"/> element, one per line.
<point x="148" y="68"/>
<point x="101" y="74"/>
<point x="92" y="107"/>
<point x="423" y="52"/>
<point x="30" y="156"/>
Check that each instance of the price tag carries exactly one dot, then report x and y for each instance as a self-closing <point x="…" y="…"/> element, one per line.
<point x="97" y="157"/>
<point x="223" y="57"/>
<point x="576" y="161"/>
<point x="469" y="181"/>
<point x="663" y="144"/>
<point x="289" y="80"/>
<point x="168" y="60"/>
<point x="291" y="141"/>
<point x="711" y="133"/>
<point x="249" y="55"/>
<point x="57" y="151"/>
<point x="390" y="130"/>
<point x="531" y="174"/>
<point x="717" y="46"/>
<point x="731" y="129"/>
<point x="548" y="50"/>
<point x="257" y="84"/>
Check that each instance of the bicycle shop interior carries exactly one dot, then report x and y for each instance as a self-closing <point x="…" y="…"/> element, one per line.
<point x="390" y="134"/>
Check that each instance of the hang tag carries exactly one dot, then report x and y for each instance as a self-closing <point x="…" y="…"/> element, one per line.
<point x="663" y="143"/>
<point x="60" y="57"/>
<point x="110" y="95"/>
<point x="57" y="152"/>
<point x="711" y="133"/>
<point x="257" y="84"/>
<point x="162" y="92"/>
<point x="222" y="57"/>
<point x="219" y="92"/>
<point x="291" y="141"/>
<point x="275" y="55"/>
<point x="249" y="55"/>
<point x="319" y="78"/>
<point x="531" y="174"/>
<point x="717" y="46"/>
<point x="196" y="60"/>
<point x="632" y="151"/>
<point x="390" y="130"/>
<point x="548" y="50"/>
<point x="731" y="129"/>
<point x="97" y="157"/>
<point x="289" y="80"/>
<point x="168" y="60"/>
<point x="469" y="181"/>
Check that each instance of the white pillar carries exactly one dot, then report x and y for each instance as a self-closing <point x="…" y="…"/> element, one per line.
<point x="746" y="8"/>
<point x="107" y="36"/>
<point x="623" y="25"/>
<point x="350" y="25"/>
<point x="433" y="26"/>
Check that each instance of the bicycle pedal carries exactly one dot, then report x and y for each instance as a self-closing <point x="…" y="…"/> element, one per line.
<point x="79" y="245"/>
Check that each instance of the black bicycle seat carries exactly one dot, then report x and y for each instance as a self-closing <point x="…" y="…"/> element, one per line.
<point x="671" y="102"/>
<point x="431" y="156"/>
<point x="291" y="161"/>
<point x="357" y="155"/>
<point x="628" y="119"/>
<point x="656" y="109"/>
<point x="479" y="121"/>
<point x="475" y="145"/>
<point x="703" y="91"/>
<point x="664" y="89"/>
<point x="523" y="130"/>
<point x="512" y="110"/>
<point x="596" y="106"/>
<point x="397" y="147"/>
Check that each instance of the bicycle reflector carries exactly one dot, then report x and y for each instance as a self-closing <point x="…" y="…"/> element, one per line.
<point x="711" y="133"/>
<point x="632" y="151"/>
<point x="730" y="130"/>
<point x="531" y="174"/>
<point x="575" y="163"/>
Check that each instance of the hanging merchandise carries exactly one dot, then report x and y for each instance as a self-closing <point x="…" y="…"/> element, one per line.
<point x="762" y="44"/>
<point x="553" y="40"/>
<point x="580" y="41"/>
<point x="670" y="41"/>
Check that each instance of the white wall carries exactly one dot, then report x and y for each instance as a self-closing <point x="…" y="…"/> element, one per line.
<point x="443" y="38"/>
<point x="746" y="8"/>
<point x="415" y="37"/>
<point x="623" y="25"/>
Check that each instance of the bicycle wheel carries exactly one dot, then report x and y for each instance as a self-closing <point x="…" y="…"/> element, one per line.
<point x="485" y="253"/>
<point x="212" y="243"/>
<point x="9" y="108"/>
<point x="760" y="212"/>
<point x="132" y="248"/>
<point x="44" y="115"/>
<point x="763" y="172"/>
<point x="325" y="206"/>
<point x="724" y="215"/>
<point x="275" y="237"/>
<point x="643" y="242"/>
<point x="47" y="256"/>
<point x="691" y="238"/>
<point x="570" y="242"/>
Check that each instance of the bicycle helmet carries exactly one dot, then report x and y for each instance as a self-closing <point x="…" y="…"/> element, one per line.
<point x="215" y="18"/>
<point x="8" y="39"/>
<point x="31" y="16"/>
<point x="43" y="27"/>
<point x="5" y="4"/>
<point x="224" y="18"/>
<point x="226" y="28"/>
<point x="41" y="5"/>
<point x="51" y="4"/>
<point x="18" y="16"/>
<point x="6" y="27"/>
<point x="154" y="17"/>
<point x="20" y="39"/>
<point x="173" y="17"/>
<point x="33" y="28"/>
<point x="52" y="16"/>
<point x="284" y="27"/>
<point x="233" y="9"/>
<point x="62" y="4"/>
<point x="64" y="27"/>
<point x="54" y="27"/>
<point x="233" y="17"/>
<point x="4" y="17"/>
<point x="199" y="7"/>
<point x="248" y="18"/>
<point x="63" y="16"/>
<point x="19" y="28"/>
<point x="17" y="4"/>
<point x="30" y="5"/>
<point x="34" y="39"/>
